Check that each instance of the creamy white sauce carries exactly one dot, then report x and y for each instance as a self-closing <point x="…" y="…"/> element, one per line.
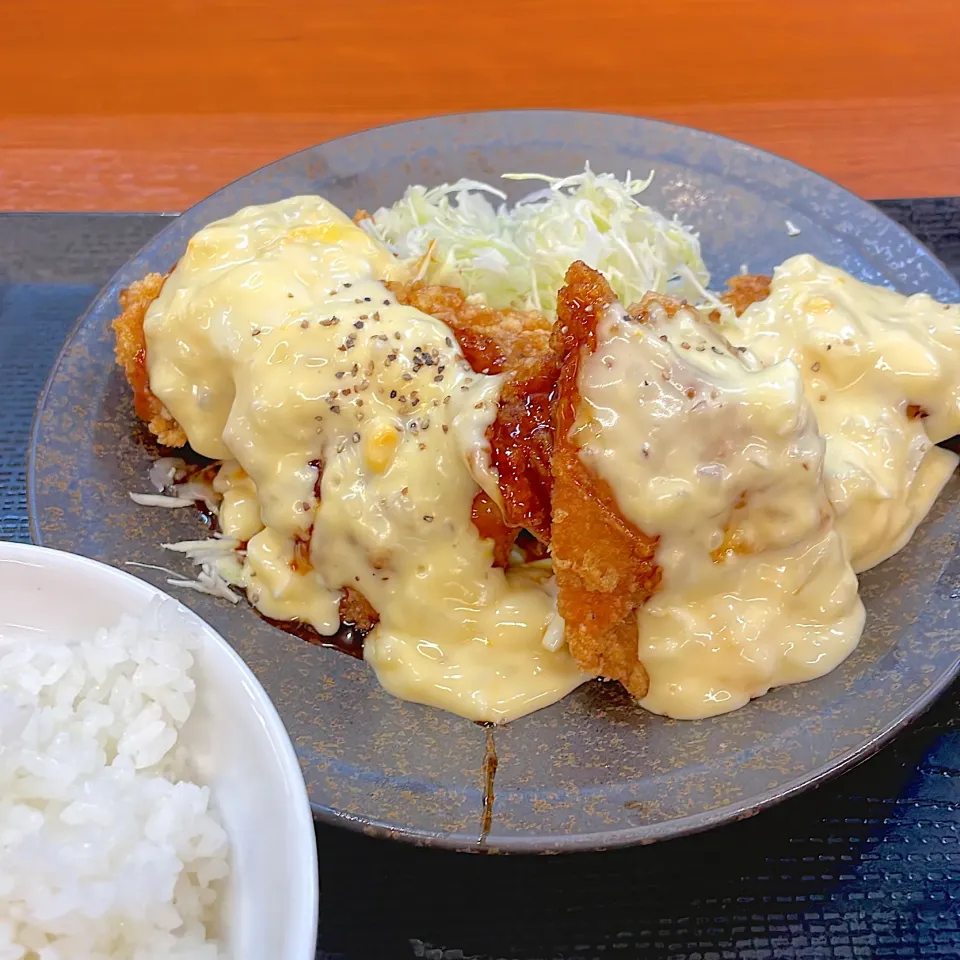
<point x="866" y="354"/>
<point x="719" y="457"/>
<point x="276" y="346"/>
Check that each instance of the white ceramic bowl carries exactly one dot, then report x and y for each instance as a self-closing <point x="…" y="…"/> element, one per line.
<point x="235" y="737"/>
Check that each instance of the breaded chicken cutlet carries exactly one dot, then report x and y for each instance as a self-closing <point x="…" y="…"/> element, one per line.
<point x="130" y="349"/>
<point x="605" y="567"/>
<point x="493" y="342"/>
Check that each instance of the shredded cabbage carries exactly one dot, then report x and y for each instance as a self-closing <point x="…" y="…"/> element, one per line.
<point x="518" y="257"/>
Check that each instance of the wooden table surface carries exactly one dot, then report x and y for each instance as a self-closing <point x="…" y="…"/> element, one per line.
<point x="113" y="105"/>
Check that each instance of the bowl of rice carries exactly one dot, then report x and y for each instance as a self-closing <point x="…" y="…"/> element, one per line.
<point x="151" y="804"/>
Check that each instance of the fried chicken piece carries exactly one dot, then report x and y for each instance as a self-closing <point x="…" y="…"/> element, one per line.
<point x="651" y="300"/>
<point x="130" y="350"/>
<point x="605" y="566"/>
<point x="490" y="523"/>
<point x="356" y="609"/>
<point x="493" y="341"/>
<point x="521" y="445"/>
<point x="746" y="289"/>
<point x="516" y="343"/>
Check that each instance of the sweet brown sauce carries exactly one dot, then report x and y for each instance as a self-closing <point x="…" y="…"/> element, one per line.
<point x="489" y="772"/>
<point x="348" y="639"/>
<point x="521" y="443"/>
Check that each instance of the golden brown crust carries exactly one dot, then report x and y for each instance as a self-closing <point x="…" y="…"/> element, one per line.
<point x="651" y="300"/>
<point x="516" y="343"/>
<point x="605" y="567"/>
<point x="356" y="609"/>
<point x="746" y="289"/>
<point x="493" y="341"/>
<point x="130" y="350"/>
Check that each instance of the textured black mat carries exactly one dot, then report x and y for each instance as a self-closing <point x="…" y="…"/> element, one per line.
<point x="865" y="867"/>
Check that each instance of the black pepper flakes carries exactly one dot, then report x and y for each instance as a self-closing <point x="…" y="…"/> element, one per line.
<point x="408" y="376"/>
<point x="359" y="324"/>
<point x="329" y="322"/>
<point x="393" y="394"/>
<point x="356" y="438"/>
<point x="445" y="428"/>
<point x="335" y="408"/>
<point x="340" y="374"/>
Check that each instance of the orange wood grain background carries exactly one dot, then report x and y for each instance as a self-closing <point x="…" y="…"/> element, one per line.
<point x="116" y="105"/>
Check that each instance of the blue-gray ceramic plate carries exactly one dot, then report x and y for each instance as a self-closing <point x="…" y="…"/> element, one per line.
<point x="595" y="770"/>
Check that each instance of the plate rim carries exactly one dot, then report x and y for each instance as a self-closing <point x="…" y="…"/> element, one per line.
<point x="639" y="835"/>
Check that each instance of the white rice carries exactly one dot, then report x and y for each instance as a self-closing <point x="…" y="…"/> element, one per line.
<point x="107" y="850"/>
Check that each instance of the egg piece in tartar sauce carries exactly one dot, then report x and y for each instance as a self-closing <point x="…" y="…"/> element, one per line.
<point x="354" y="434"/>
<point x="719" y="457"/>
<point x="882" y="373"/>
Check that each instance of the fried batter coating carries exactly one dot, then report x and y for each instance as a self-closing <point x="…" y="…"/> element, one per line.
<point x="130" y="350"/>
<point x="746" y="289"/>
<point x="488" y="519"/>
<point x="493" y="341"/>
<point x="516" y="343"/>
<point x="521" y="445"/>
<point x="356" y="609"/>
<point x="605" y="566"/>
